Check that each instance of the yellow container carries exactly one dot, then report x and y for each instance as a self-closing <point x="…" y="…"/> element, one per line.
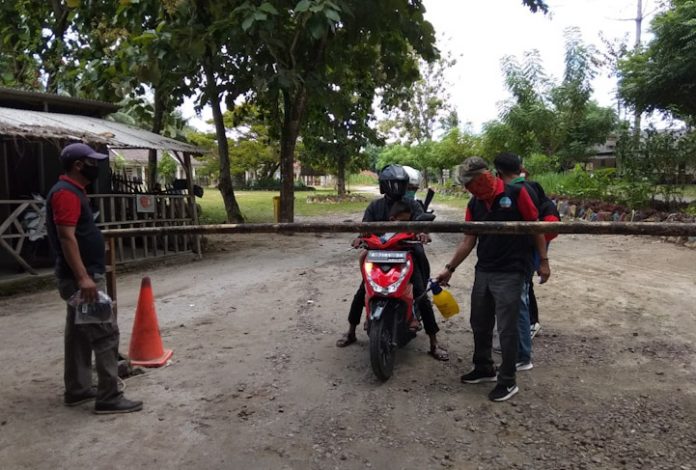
<point x="444" y="301"/>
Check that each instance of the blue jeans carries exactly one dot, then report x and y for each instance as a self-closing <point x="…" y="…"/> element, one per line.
<point x="524" y="348"/>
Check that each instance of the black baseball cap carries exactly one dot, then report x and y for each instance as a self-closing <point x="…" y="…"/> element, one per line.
<point x="79" y="151"/>
<point x="508" y="163"/>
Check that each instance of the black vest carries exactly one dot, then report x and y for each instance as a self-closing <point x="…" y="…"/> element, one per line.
<point x="89" y="237"/>
<point x="502" y="253"/>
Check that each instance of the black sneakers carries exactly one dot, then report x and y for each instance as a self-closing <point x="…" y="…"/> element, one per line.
<point x="477" y="376"/>
<point x="124" y="405"/>
<point x="503" y="392"/>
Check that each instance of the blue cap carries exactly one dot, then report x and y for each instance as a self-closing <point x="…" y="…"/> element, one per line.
<point x="80" y="151"/>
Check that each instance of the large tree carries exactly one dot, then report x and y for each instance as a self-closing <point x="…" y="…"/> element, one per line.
<point x="300" y="42"/>
<point x="426" y="105"/>
<point x="661" y="76"/>
<point x="546" y="117"/>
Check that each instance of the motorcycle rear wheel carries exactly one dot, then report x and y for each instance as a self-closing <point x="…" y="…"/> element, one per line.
<point x="382" y="348"/>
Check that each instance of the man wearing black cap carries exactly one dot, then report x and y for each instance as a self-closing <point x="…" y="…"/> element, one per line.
<point x="79" y="248"/>
<point x="503" y="261"/>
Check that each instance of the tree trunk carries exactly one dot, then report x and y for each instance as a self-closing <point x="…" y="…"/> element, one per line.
<point x="157" y="124"/>
<point x="341" y="175"/>
<point x="234" y="215"/>
<point x="293" y="108"/>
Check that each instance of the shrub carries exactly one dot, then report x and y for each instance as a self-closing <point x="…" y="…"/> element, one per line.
<point x="538" y="163"/>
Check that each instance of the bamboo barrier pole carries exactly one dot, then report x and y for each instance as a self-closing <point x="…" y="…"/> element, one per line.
<point x="501" y="228"/>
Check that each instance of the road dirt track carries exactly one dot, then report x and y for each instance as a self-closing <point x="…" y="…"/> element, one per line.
<point x="256" y="381"/>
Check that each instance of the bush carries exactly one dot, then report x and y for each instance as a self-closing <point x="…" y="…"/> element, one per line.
<point x="538" y="163"/>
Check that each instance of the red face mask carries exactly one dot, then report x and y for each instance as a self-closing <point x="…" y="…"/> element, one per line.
<point x="483" y="186"/>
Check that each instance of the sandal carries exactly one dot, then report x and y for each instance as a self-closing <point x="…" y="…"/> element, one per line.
<point x="439" y="353"/>
<point x="346" y="340"/>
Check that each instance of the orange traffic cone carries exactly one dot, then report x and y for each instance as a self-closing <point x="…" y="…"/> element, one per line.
<point x="146" y="343"/>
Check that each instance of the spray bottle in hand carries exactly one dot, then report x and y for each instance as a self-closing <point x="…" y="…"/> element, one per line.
<point x="443" y="300"/>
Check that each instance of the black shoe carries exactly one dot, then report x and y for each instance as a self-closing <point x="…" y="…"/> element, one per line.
<point x="503" y="392"/>
<point x="124" y="405"/>
<point x="477" y="376"/>
<point x="74" y="400"/>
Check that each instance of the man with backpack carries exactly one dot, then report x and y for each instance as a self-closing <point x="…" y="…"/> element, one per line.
<point x="501" y="269"/>
<point x="509" y="168"/>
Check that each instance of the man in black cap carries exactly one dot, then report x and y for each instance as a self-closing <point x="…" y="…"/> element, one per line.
<point x="503" y="262"/>
<point x="79" y="248"/>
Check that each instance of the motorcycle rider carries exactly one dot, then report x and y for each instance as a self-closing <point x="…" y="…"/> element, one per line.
<point x="414" y="181"/>
<point x="393" y="182"/>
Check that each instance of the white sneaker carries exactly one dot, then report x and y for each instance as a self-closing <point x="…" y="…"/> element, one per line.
<point x="520" y="366"/>
<point x="535" y="329"/>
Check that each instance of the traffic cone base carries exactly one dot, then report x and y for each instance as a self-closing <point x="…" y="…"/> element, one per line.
<point x="146" y="343"/>
<point x="158" y="362"/>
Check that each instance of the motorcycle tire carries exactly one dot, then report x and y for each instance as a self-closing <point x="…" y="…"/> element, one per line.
<point x="382" y="348"/>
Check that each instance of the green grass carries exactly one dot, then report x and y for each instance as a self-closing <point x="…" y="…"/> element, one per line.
<point x="453" y="201"/>
<point x="257" y="206"/>
<point x="363" y="179"/>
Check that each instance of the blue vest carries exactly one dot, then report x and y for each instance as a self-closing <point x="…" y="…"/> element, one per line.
<point x="89" y="237"/>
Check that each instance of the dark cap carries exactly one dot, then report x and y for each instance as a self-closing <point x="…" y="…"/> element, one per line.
<point x="470" y="168"/>
<point x="508" y="163"/>
<point x="79" y="151"/>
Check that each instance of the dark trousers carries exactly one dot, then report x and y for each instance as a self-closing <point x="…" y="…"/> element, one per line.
<point x="424" y="306"/>
<point x="80" y="342"/>
<point x="496" y="297"/>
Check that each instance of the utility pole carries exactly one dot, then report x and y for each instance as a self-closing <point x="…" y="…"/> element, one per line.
<point x="639" y="24"/>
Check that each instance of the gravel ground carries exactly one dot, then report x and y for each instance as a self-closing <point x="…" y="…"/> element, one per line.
<point x="256" y="381"/>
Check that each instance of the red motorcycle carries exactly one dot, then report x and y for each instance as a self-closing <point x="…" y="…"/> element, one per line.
<point x="389" y="303"/>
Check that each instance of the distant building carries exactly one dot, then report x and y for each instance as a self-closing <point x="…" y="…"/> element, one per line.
<point x="604" y="155"/>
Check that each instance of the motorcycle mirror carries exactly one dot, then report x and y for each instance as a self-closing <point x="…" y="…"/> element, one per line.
<point x="428" y="199"/>
<point x="425" y="217"/>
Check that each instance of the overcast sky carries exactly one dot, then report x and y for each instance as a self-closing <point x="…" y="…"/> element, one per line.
<point x="481" y="32"/>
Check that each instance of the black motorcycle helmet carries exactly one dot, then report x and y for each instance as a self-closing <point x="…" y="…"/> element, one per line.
<point x="393" y="181"/>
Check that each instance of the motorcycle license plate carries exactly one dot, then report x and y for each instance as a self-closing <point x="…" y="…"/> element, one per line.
<point x="377" y="256"/>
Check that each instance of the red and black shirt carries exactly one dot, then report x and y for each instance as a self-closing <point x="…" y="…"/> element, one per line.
<point x="67" y="204"/>
<point x="504" y="253"/>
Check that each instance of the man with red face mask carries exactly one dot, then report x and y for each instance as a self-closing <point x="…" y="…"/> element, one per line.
<point x="502" y="267"/>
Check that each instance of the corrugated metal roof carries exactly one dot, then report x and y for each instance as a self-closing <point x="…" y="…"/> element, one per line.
<point x="141" y="156"/>
<point x="50" y="102"/>
<point x="25" y="123"/>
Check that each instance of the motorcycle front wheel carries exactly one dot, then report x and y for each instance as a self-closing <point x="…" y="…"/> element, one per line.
<point x="382" y="348"/>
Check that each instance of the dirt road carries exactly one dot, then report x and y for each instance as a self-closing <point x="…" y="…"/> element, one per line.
<point x="257" y="383"/>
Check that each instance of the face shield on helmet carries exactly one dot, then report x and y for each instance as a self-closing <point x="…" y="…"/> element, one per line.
<point x="414" y="181"/>
<point x="393" y="181"/>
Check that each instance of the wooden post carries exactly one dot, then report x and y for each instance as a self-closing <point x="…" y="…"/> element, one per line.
<point x="111" y="273"/>
<point x="192" y="200"/>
